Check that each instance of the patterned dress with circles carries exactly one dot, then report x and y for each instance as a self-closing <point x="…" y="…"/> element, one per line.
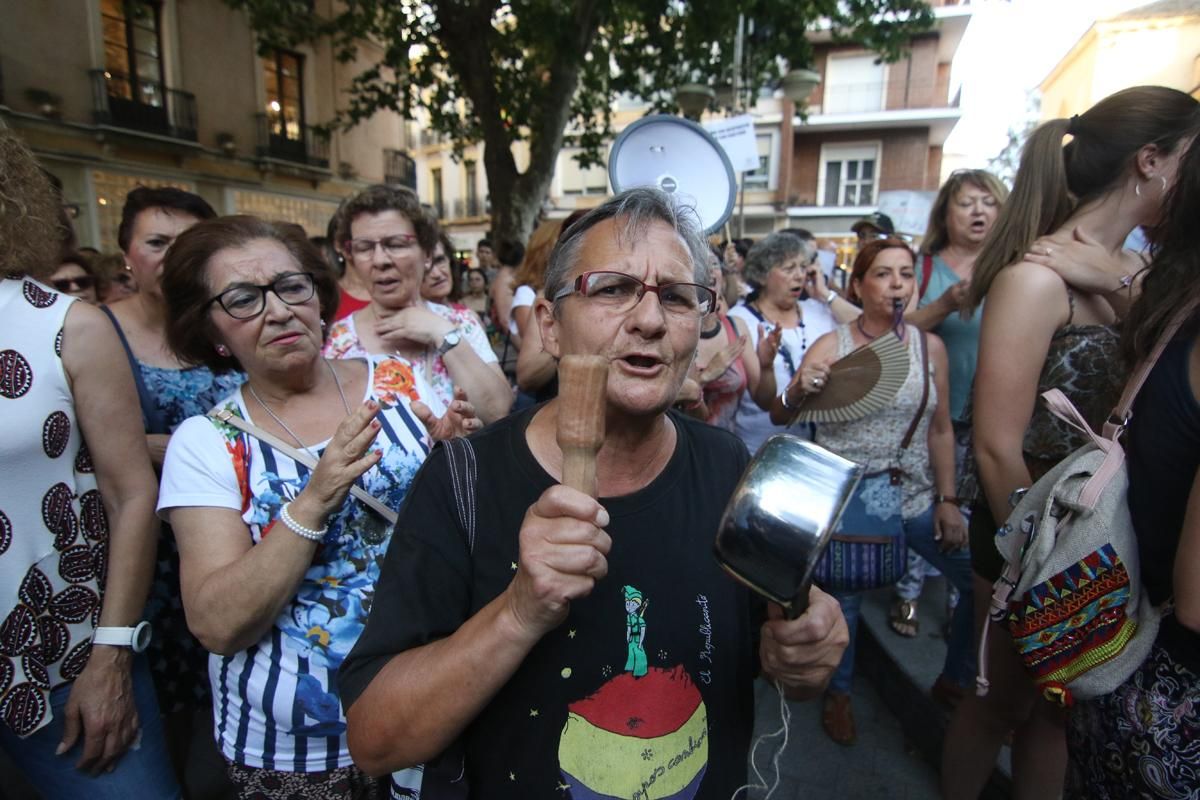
<point x="53" y="529"/>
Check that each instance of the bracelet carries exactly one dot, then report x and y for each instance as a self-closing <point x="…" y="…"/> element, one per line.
<point x="1125" y="281"/>
<point x="298" y="529"/>
<point x="947" y="498"/>
<point x="829" y="298"/>
<point x="783" y="399"/>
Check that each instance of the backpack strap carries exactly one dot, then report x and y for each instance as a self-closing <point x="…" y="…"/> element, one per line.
<point x="464" y="474"/>
<point x="1124" y="411"/>
<point x="245" y="426"/>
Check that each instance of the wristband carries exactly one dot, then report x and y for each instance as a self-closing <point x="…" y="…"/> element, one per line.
<point x="947" y="498"/>
<point x="313" y="535"/>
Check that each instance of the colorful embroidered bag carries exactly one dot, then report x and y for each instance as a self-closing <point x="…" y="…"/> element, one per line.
<point x="868" y="550"/>
<point x="1071" y="593"/>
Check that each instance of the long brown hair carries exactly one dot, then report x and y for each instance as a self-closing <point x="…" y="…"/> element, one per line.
<point x="1053" y="179"/>
<point x="1174" y="281"/>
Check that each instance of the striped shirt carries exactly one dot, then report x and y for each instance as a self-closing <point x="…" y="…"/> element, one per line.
<point x="276" y="704"/>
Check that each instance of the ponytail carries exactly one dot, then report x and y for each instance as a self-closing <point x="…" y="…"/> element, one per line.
<point x="1039" y="203"/>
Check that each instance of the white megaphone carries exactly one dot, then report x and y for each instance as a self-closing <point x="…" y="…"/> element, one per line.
<point x="679" y="157"/>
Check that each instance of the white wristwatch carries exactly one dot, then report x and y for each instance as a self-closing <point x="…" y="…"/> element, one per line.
<point x="449" y="342"/>
<point x="136" y="638"/>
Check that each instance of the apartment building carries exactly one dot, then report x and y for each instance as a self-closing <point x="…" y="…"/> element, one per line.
<point x="111" y="94"/>
<point x="872" y="127"/>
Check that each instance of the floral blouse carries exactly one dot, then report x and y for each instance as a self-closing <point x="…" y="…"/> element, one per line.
<point x="343" y="342"/>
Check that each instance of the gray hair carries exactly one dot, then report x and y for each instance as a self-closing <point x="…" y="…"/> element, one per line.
<point x="636" y="208"/>
<point x="772" y="251"/>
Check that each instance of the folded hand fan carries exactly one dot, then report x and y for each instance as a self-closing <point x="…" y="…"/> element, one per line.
<point x="863" y="382"/>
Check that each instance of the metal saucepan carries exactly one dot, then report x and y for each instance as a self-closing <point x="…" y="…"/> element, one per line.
<point x="780" y="517"/>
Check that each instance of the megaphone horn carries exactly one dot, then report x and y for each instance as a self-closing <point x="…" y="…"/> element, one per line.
<point x="682" y="159"/>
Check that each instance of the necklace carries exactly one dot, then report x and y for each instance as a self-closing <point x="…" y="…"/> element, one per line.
<point x="283" y="424"/>
<point x="708" y="334"/>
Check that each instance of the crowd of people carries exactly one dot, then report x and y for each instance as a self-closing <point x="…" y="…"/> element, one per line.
<point x="296" y="505"/>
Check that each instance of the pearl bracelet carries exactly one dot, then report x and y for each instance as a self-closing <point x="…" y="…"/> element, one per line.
<point x="298" y="529"/>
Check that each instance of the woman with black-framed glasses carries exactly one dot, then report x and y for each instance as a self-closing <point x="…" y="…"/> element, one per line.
<point x="279" y="561"/>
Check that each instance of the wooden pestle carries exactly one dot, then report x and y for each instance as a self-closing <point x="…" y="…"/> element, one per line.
<point x="582" y="397"/>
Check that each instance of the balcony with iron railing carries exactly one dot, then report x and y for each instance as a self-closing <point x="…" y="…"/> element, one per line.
<point x="302" y="146"/>
<point x="400" y="169"/>
<point x="142" y="105"/>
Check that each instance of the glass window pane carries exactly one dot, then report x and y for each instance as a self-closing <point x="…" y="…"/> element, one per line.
<point x="851" y="170"/>
<point x="865" y="196"/>
<point x="868" y="170"/>
<point x="149" y="70"/>
<point x="145" y="40"/>
<point x="270" y="83"/>
<point x="833" y="176"/>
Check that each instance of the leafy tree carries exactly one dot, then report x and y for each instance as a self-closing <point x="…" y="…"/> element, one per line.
<point x="545" y="71"/>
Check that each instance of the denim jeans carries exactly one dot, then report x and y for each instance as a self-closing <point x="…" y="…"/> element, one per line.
<point x="959" y="666"/>
<point x="144" y="771"/>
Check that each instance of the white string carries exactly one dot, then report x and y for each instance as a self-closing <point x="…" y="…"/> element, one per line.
<point x="785" y="717"/>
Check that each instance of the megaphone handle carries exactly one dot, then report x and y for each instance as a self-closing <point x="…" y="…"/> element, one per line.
<point x="581" y="399"/>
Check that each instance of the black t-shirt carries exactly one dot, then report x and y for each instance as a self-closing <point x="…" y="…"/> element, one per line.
<point x="1163" y="451"/>
<point x="647" y="688"/>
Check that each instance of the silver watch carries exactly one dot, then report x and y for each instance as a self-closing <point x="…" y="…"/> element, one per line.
<point x="449" y="342"/>
<point x="136" y="638"/>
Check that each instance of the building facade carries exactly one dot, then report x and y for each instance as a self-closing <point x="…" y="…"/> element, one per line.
<point x="1155" y="44"/>
<point x="111" y="94"/>
<point x="873" y="127"/>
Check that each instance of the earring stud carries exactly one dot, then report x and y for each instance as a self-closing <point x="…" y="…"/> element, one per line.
<point x="222" y="351"/>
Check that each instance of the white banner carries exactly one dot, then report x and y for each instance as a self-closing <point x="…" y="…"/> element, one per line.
<point x="736" y="137"/>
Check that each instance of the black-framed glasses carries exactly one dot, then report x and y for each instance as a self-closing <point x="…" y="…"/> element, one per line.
<point x="621" y="292"/>
<point x="245" y="301"/>
<point x="394" y="246"/>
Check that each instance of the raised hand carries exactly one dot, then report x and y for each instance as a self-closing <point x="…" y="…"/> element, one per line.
<point x="348" y="455"/>
<point x="415" y="324"/>
<point x="563" y="553"/>
<point x="460" y="418"/>
<point x="721" y="361"/>
<point x="802" y="653"/>
<point x="768" y="346"/>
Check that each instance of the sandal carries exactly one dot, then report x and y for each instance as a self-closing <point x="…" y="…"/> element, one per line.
<point x="903" y="617"/>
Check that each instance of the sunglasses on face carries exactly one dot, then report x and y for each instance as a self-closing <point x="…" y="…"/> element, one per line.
<point x="67" y="285"/>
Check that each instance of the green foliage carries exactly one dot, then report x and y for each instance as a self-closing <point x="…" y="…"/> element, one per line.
<point x="546" y="71"/>
<point x="644" y="48"/>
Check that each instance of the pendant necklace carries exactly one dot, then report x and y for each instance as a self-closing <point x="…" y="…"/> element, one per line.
<point x="337" y="382"/>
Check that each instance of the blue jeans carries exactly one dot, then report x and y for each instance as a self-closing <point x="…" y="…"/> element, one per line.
<point x="144" y="772"/>
<point x="959" y="666"/>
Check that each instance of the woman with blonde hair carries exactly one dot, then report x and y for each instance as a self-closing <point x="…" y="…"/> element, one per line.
<point x="1111" y="176"/>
